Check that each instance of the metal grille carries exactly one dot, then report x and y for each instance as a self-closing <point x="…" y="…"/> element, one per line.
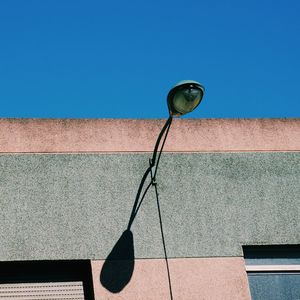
<point x="42" y="291"/>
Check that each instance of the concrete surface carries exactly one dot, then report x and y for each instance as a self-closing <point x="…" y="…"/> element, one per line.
<point x="192" y="279"/>
<point x="115" y="135"/>
<point x="57" y="206"/>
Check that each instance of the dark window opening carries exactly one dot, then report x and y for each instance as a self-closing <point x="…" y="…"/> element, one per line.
<point x="273" y="271"/>
<point x="76" y="275"/>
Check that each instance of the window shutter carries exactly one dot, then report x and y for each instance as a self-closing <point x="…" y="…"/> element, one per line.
<point x="71" y="290"/>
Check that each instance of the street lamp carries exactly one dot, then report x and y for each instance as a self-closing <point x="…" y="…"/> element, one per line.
<point x="118" y="267"/>
<point x="183" y="98"/>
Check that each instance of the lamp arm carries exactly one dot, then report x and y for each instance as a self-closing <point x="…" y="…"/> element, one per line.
<point x="153" y="163"/>
<point x="169" y="121"/>
<point x="166" y="127"/>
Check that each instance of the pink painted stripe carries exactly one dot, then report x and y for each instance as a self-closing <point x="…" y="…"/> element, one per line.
<point x="191" y="278"/>
<point x="126" y="135"/>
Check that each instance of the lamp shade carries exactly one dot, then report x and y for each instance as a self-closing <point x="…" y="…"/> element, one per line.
<point x="184" y="97"/>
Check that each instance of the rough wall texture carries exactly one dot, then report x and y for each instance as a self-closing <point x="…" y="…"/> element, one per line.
<point x="75" y="206"/>
<point x="192" y="279"/>
<point x="115" y="135"/>
<point x="57" y="206"/>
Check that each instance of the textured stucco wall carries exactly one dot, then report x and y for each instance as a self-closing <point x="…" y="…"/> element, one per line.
<point x="58" y="206"/>
<point x="123" y="135"/>
<point x="192" y="279"/>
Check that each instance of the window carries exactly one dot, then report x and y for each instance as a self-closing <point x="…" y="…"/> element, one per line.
<point x="273" y="271"/>
<point x="46" y="280"/>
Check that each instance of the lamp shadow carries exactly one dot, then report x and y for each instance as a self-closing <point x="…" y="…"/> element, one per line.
<point x="118" y="267"/>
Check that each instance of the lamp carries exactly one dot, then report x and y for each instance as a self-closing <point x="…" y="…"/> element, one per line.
<point x="118" y="267"/>
<point x="184" y="97"/>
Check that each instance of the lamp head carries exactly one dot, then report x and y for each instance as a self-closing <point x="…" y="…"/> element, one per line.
<point x="184" y="97"/>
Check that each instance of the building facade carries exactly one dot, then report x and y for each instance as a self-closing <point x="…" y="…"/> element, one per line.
<point x="225" y="186"/>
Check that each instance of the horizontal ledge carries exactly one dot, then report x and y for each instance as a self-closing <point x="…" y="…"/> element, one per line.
<point x="146" y="152"/>
<point x="136" y="135"/>
<point x="270" y="268"/>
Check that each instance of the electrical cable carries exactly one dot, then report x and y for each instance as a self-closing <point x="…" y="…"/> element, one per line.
<point x="163" y="240"/>
<point x="137" y="204"/>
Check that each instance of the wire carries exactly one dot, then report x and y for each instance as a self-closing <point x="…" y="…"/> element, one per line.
<point x="163" y="241"/>
<point x="137" y="204"/>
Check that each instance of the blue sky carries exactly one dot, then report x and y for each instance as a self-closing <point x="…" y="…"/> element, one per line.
<point x="118" y="59"/>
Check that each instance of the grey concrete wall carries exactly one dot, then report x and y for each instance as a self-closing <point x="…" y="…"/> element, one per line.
<point x="59" y="206"/>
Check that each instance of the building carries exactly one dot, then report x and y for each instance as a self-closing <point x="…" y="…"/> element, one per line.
<point x="67" y="188"/>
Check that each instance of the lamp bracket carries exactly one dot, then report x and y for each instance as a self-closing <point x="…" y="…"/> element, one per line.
<point x="152" y="172"/>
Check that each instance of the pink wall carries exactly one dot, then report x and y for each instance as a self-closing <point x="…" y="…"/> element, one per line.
<point x="121" y="135"/>
<point x="192" y="279"/>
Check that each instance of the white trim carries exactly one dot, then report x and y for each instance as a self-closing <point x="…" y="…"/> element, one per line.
<point x="266" y="268"/>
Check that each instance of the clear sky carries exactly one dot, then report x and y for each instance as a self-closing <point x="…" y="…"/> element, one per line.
<point x="118" y="59"/>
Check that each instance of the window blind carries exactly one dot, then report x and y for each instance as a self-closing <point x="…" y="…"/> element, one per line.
<point x="72" y="290"/>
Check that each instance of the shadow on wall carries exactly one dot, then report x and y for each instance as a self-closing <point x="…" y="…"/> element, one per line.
<point x="119" y="264"/>
<point x="118" y="267"/>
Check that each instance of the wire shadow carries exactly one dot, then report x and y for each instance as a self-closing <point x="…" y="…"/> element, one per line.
<point x="118" y="267"/>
